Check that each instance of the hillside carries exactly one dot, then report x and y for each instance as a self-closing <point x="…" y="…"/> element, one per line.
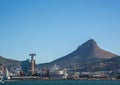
<point x="112" y="64"/>
<point x="9" y="63"/>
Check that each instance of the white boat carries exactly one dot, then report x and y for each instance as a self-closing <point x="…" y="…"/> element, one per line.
<point x="1" y="81"/>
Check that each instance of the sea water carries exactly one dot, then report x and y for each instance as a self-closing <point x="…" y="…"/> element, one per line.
<point x="63" y="82"/>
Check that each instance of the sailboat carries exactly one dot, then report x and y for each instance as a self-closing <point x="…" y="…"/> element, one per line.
<point x="1" y="80"/>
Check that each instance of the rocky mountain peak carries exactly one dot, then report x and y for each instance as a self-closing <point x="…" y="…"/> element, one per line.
<point x="88" y="52"/>
<point x="89" y="45"/>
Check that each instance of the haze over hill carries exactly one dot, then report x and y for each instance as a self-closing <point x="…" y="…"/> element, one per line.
<point x="88" y="52"/>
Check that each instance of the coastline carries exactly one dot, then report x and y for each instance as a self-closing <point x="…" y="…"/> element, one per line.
<point x="48" y="79"/>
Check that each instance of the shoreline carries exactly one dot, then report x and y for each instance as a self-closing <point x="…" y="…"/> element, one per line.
<point x="89" y="79"/>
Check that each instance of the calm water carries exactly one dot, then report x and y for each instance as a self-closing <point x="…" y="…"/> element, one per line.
<point x="62" y="82"/>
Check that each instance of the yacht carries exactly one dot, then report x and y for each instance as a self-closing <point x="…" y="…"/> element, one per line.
<point x="1" y="80"/>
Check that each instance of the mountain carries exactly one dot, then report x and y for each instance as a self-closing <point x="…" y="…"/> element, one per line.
<point x="88" y="52"/>
<point x="9" y="63"/>
<point x="112" y="64"/>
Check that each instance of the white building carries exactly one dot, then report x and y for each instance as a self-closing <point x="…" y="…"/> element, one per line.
<point x="57" y="73"/>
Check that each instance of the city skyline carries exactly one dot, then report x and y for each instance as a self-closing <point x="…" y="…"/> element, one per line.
<point x="54" y="28"/>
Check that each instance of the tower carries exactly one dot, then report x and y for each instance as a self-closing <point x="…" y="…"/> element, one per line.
<point x="32" y="64"/>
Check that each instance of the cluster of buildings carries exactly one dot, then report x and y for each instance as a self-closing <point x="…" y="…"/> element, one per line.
<point x="28" y="66"/>
<point x="28" y="70"/>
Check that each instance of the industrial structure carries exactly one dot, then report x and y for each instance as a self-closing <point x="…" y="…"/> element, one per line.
<point x="32" y="64"/>
<point x="28" y="66"/>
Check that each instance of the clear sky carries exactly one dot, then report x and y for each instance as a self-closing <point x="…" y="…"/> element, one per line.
<point x="54" y="28"/>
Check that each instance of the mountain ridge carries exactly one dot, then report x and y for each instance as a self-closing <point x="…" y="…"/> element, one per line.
<point x="88" y="52"/>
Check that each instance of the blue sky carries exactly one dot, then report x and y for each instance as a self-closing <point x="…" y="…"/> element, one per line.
<point x="54" y="28"/>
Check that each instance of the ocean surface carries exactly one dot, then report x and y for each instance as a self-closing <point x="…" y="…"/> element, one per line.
<point x="63" y="82"/>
